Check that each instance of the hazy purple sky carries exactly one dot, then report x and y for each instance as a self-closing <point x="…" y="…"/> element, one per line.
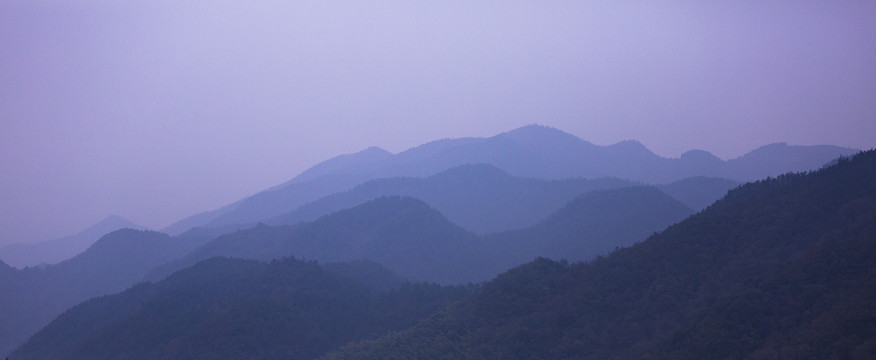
<point x="155" y="110"/>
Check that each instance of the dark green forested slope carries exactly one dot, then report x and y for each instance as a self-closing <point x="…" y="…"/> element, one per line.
<point x="780" y="268"/>
<point x="240" y="309"/>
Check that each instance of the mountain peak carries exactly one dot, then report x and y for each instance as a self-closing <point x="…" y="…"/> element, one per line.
<point x="700" y="156"/>
<point x="633" y="149"/>
<point x="535" y="134"/>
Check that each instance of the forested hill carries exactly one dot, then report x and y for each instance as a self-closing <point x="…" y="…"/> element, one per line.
<point x="780" y="268"/>
<point x="240" y="309"/>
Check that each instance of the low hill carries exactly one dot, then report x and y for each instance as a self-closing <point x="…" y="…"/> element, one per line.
<point x="780" y="268"/>
<point x="57" y="250"/>
<point x="403" y="234"/>
<point x="224" y="308"/>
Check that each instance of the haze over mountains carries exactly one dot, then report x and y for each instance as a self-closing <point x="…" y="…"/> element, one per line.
<point x="532" y="152"/>
<point x="781" y="268"/>
<point x="57" y="250"/>
<point x="451" y="211"/>
<point x="777" y="268"/>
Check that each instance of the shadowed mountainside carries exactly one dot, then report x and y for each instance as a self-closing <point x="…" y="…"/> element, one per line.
<point x="241" y="309"/>
<point x="780" y="268"/>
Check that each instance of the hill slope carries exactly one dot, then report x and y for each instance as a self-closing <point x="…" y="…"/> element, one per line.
<point x="592" y="224"/>
<point x="781" y="268"/>
<point x="57" y="250"/>
<point x="223" y="308"/>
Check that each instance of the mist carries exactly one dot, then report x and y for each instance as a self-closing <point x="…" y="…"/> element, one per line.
<point x="158" y="110"/>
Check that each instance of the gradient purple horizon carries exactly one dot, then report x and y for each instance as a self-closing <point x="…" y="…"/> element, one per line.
<point x="157" y="110"/>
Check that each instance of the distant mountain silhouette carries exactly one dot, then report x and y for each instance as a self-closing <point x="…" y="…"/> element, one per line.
<point x="34" y="296"/>
<point x="57" y="250"/>
<point x="532" y="152"/>
<point x="416" y="241"/>
<point x="480" y="198"/>
<point x="780" y="268"/>
<point x="224" y="308"/>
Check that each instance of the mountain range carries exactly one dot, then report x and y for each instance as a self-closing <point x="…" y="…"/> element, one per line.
<point x="409" y="237"/>
<point x="778" y="268"/>
<point x="534" y="191"/>
<point x="533" y="151"/>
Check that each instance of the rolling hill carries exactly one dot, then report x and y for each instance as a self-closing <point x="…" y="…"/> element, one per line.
<point x="57" y="250"/>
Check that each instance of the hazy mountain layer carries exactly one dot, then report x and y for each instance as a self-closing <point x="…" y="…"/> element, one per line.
<point x="57" y="250"/>
<point x="778" y="268"/>
<point x="698" y="192"/>
<point x="32" y="297"/>
<point x="593" y="224"/>
<point x="533" y="152"/>
<point x="782" y="268"/>
<point x="480" y="198"/>
<point x="416" y="241"/>
<point x="238" y="309"/>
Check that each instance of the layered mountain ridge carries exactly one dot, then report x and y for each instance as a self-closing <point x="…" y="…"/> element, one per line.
<point x="533" y="151"/>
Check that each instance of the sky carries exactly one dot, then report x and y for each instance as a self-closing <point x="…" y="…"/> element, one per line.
<point x="156" y="110"/>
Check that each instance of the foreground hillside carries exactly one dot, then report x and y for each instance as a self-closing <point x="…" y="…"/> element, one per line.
<point x="239" y="309"/>
<point x="781" y="268"/>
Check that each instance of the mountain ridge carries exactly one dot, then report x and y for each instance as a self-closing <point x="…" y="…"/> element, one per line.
<point x="532" y="151"/>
